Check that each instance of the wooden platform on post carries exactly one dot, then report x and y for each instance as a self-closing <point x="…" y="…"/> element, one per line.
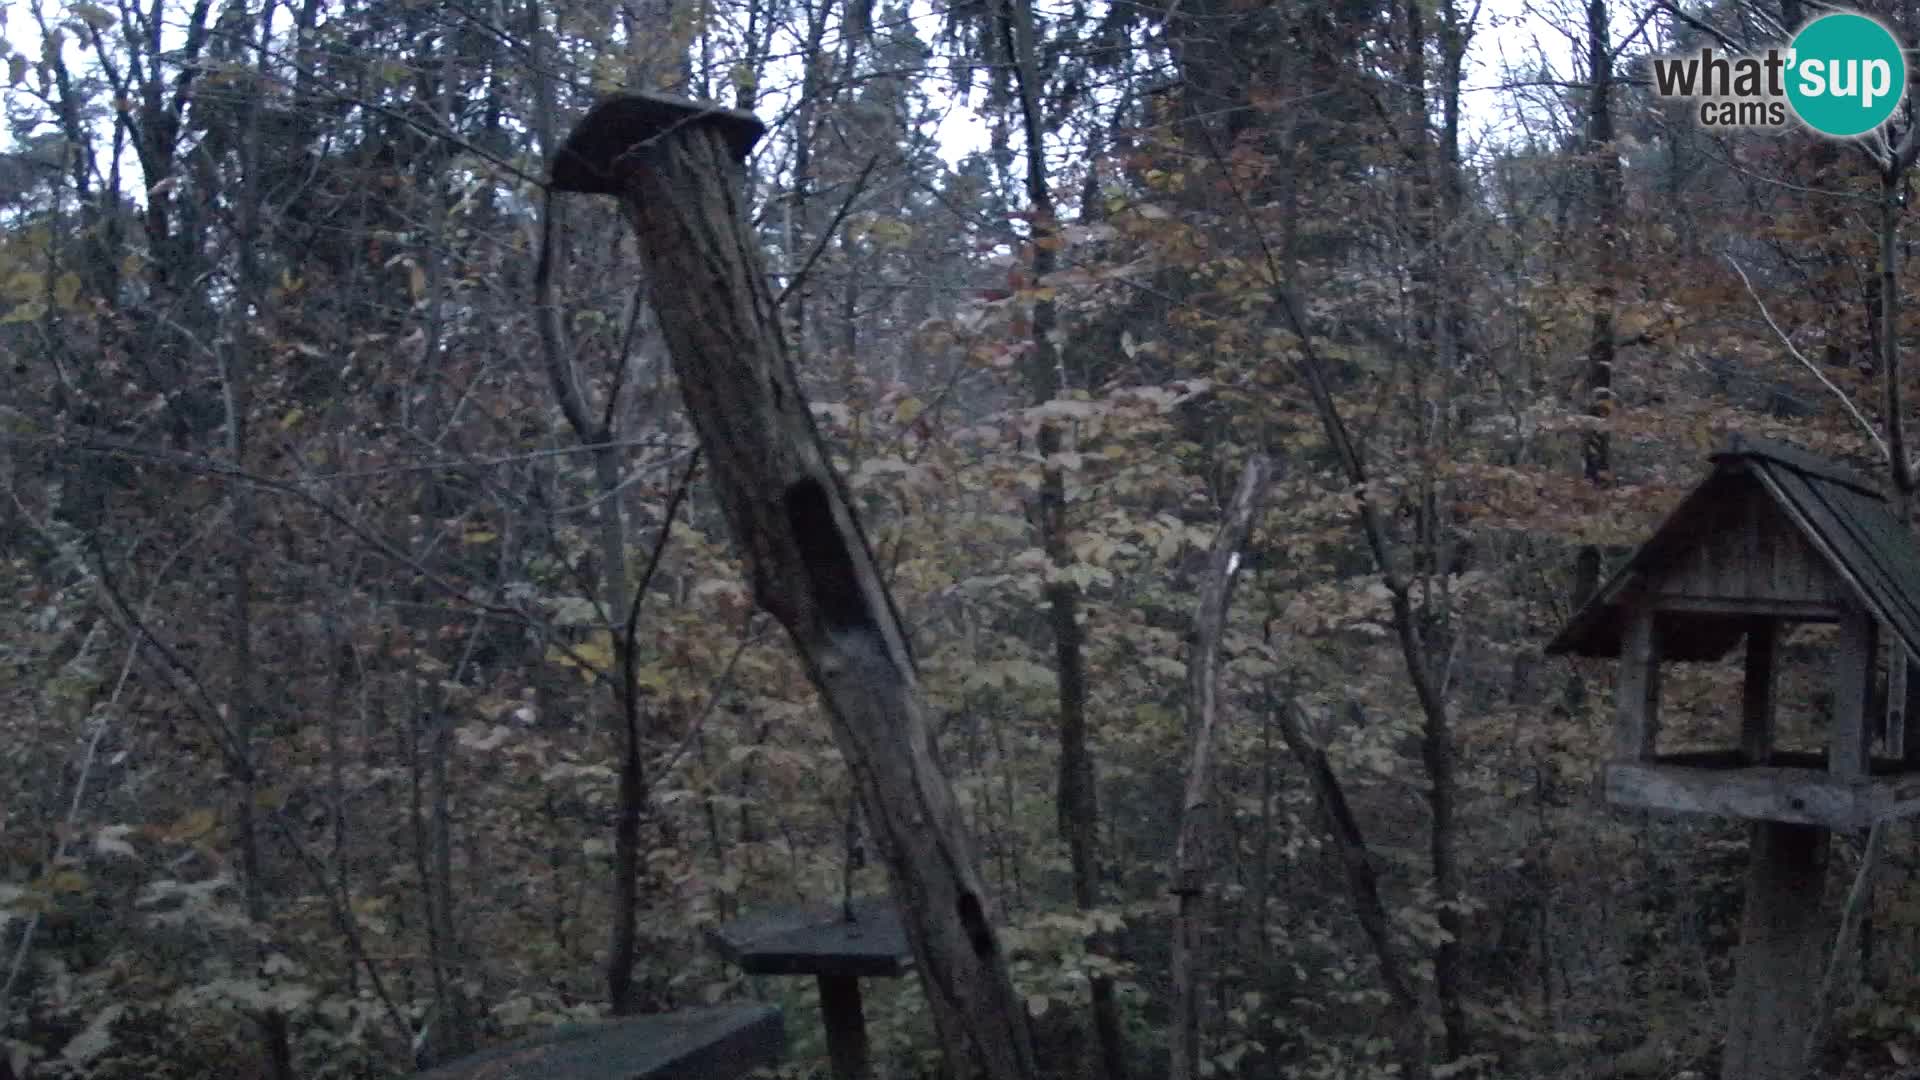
<point x="820" y="940"/>
<point x="724" y="1042"/>
<point x="1792" y="788"/>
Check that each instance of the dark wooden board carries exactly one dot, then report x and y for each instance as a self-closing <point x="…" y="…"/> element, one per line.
<point x="1888" y="543"/>
<point x="817" y="939"/>
<point x="1773" y="792"/>
<point x="1772" y="450"/>
<point x="1867" y="543"/>
<point x="616" y="124"/>
<point x="719" y="1043"/>
<point x="1812" y="761"/>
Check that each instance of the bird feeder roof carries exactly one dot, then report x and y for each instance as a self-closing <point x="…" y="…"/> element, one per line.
<point x="1843" y="519"/>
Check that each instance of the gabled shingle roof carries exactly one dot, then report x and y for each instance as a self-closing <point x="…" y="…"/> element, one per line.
<point x="1842" y="516"/>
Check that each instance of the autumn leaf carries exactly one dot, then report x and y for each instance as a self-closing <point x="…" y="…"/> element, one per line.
<point x="66" y="289"/>
<point x="26" y="312"/>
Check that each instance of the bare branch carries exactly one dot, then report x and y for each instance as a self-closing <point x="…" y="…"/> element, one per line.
<point x="1792" y="350"/>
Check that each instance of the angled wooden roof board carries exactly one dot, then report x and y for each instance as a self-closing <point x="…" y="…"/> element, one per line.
<point x="1842" y="516"/>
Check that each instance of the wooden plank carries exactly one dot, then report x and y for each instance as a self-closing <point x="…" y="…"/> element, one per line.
<point x="1891" y="545"/>
<point x="1880" y="544"/>
<point x="818" y="939"/>
<point x="1796" y="610"/>
<point x="1756" y="692"/>
<point x="1786" y="548"/>
<point x="720" y="1043"/>
<point x="1590" y="632"/>
<point x="1911" y="758"/>
<point x="1749" y="446"/>
<point x="1760" y="793"/>
<point x="1821" y="528"/>
<point x="846" y="1027"/>
<point x="1636" y="699"/>
<point x="1894" y="734"/>
<point x="1870" y="544"/>
<point x="1752" y="561"/>
<point x="1852" y="679"/>
<point x="586" y="161"/>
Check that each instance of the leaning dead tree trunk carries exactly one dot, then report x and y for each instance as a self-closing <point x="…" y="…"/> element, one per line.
<point x="676" y="168"/>
<point x="1203" y="672"/>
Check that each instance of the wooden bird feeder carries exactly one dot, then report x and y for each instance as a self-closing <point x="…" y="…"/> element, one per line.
<point x="822" y="941"/>
<point x="1774" y="536"/>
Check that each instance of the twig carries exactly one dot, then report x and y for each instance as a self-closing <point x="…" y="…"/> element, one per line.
<point x="1843" y="941"/>
<point x="1852" y="410"/>
<point x="820" y="245"/>
<point x="87" y="758"/>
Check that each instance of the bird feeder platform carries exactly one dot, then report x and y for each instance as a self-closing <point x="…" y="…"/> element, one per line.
<point x="820" y="940"/>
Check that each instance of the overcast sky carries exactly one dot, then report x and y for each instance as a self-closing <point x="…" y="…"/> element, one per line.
<point x="1510" y="36"/>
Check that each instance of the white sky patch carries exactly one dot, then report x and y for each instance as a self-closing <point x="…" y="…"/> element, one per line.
<point x="1514" y="41"/>
<point x="962" y="130"/>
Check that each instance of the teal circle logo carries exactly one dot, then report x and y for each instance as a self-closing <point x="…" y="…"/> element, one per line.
<point x="1848" y="74"/>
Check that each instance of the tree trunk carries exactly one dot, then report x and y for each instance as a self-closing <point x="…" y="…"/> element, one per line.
<point x="677" y="167"/>
<point x="1604" y="162"/>
<point x="237" y="380"/>
<point x="623" y="935"/>
<point x="1196" y="807"/>
<point x="1364" y="887"/>
<point x="1078" y="798"/>
<point x="1436" y="741"/>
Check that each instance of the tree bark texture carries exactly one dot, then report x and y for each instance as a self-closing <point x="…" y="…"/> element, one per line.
<point x="1203" y="712"/>
<point x="809" y="564"/>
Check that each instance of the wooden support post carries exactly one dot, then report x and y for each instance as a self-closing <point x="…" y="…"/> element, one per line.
<point x="1899" y="676"/>
<point x="1636" y="697"/>
<point x="1852" y="679"/>
<point x="1910" y="750"/>
<point x="1782" y="935"/>
<point x="846" y="1027"/>
<point x="1756" y="695"/>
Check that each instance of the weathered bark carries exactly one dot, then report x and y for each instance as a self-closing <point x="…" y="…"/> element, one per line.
<point x="677" y="170"/>
<point x="1604" y="162"/>
<point x="1203" y="671"/>
<point x="1891" y="185"/>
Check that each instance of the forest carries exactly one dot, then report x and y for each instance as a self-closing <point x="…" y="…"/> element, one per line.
<point x="1237" y="398"/>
